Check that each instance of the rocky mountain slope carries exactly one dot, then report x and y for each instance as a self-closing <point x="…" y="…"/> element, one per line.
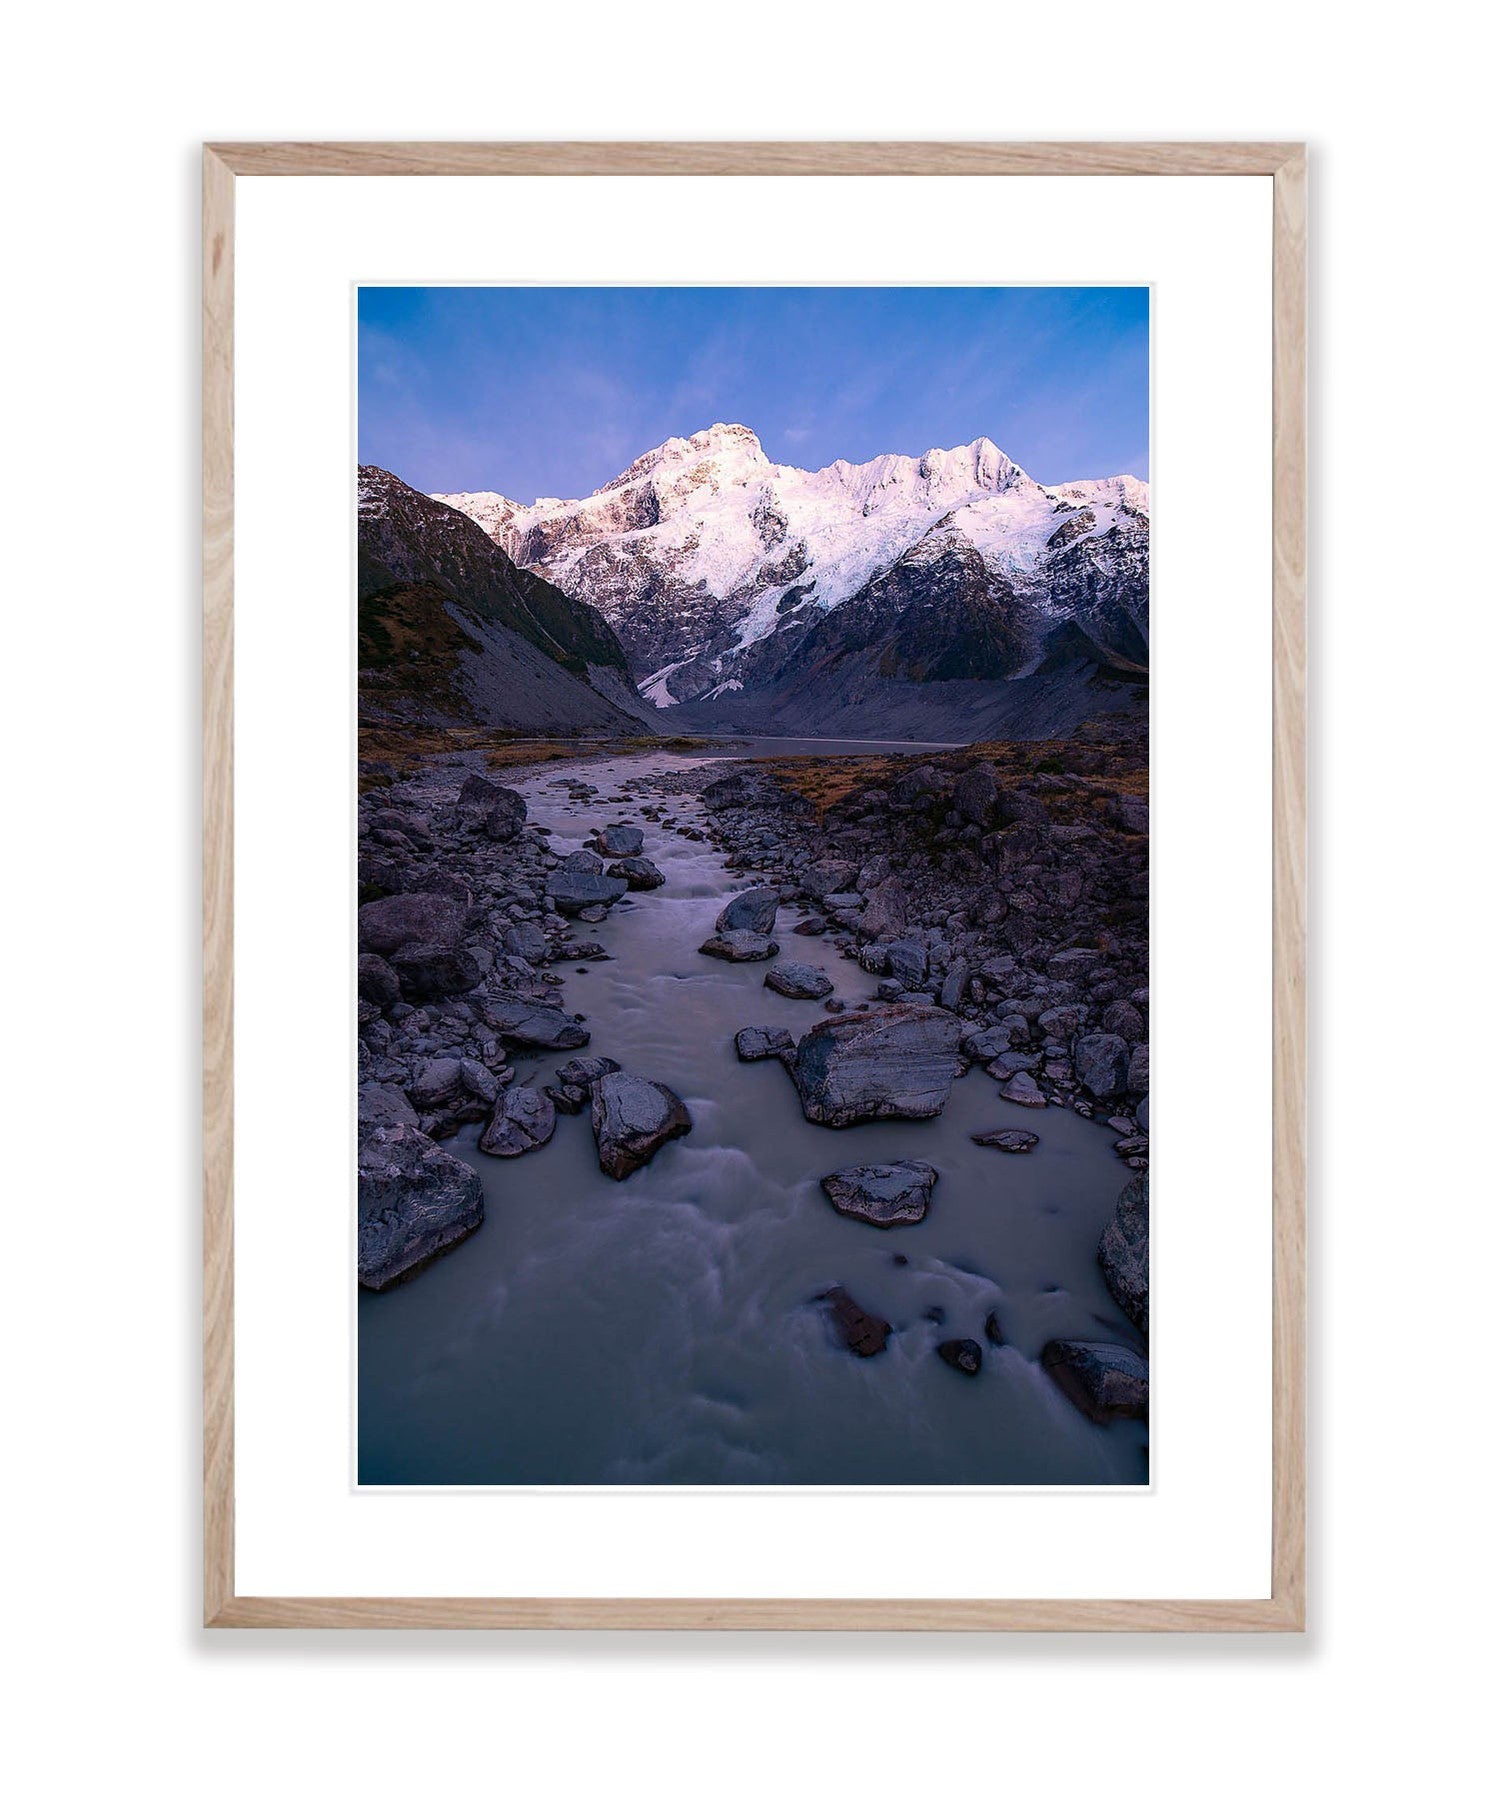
<point x="450" y="630"/>
<point x="947" y="594"/>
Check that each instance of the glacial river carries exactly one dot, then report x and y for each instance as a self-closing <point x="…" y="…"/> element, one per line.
<point x="663" y="1328"/>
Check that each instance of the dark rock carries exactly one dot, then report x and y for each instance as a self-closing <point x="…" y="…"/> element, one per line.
<point x="616" y="841"/>
<point x="632" y="1118"/>
<point x="415" y="1202"/>
<point x="583" y="862"/>
<point x="1021" y="1090"/>
<point x="862" y="1332"/>
<point x="1124" y="1021"/>
<point x="529" y="942"/>
<point x="573" y="891"/>
<point x="523" y="1120"/>
<point x="757" y="1042"/>
<point x="641" y="874"/>
<point x="993" y="1331"/>
<point x="740" y="946"/>
<point x="1103" y="1380"/>
<point x="797" y="980"/>
<point x="1131" y="813"/>
<point x="378" y="982"/>
<point x="906" y="962"/>
<point x="1102" y="1063"/>
<point x="583" y="1071"/>
<point x="1124" y="1253"/>
<point x="882" y="1193"/>
<point x="534" y="1026"/>
<point x="963" y="1354"/>
<point x="1015" y="1143"/>
<point x="827" y="876"/>
<point x="433" y="970"/>
<point x="889" y="1062"/>
<point x="498" y="811"/>
<point x="976" y="795"/>
<point x="752" y="911"/>
<point x="1072" y="964"/>
<point x="1138" y="1078"/>
<point x="383" y="1104"/>
<point x="385" y="925"/>
<point x="437" y="1083"/>
<point x="885" y="911"/>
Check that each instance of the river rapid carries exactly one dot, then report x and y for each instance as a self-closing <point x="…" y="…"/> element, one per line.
<point x="665" y="1328"/>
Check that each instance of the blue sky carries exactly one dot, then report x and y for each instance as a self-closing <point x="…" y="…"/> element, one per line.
<point x="532" y="391"/>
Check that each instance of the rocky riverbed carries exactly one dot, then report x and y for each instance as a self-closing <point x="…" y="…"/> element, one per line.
<point x="775" y="1120"/>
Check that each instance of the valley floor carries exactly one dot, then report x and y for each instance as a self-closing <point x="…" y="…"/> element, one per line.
<point x="627" y="1303"/>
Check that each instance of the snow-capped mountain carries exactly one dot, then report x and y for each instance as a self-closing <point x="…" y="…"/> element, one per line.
<point x="731" y="579"/>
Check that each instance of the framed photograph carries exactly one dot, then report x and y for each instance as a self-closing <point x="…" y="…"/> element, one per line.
<point x="754" y="900"/>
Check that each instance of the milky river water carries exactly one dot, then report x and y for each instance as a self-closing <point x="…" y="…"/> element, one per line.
<point x="665" y="1328"/>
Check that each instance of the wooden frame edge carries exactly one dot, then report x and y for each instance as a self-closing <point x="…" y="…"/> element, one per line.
<point x="753" y="158"/>
<point x="1285" y="1610"/>
<point x="218" y="886"/>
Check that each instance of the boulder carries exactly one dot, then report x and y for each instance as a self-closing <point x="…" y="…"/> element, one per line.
<point x="574" y="890"/>
<point x="615" y="841"/>
<point x="1138" y="1078"/>
<point x="862" y="1332"/>
<point x="1103" y="1380"/>
<point x="882" y="1193"/>
<point x="888" y="1062"/>
<point x="640" y="873"/>
<point x="437" y="1083"/>
<point x="1131" y="813"/>
<point x="632" y="1118"/>
<point x="385" y="925"/>
<point x="434" y="970"/>
<point x="1124" y="1253"/>
<point x="529" y="942"/>
<point x="1101" y="1061"/>
<point x="905" y="962"/>
<point x="583" y="862"/>
<point x="415" y="1202"/>
<point x="963" y="1354"/>
<point x="498" y="811"/>
<point x="378" y="982"/>
<point x="755" y="1043"/>
<point x="751" y="911"/>
<point x="534" y="1026"/>
<point x="1073" y="964"/>
<point x="1021" y="1090"/>
<point x="740" y="946"/>
<point x="383" y="1104"/>
<point x="976" y="796"/>
<point x="1014" y="1143"/>
<point x="798" y="980"/>
<point x="885" y="910"/>
<point x="828" y="876"/>
<point x="523" y="1119"/>
<point x="583" y="1071"/>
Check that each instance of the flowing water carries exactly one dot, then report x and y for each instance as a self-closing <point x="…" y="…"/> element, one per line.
<point x="664" y="1328"/>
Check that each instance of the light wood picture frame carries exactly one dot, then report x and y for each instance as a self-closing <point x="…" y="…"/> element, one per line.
<point x="1285" y="163"/>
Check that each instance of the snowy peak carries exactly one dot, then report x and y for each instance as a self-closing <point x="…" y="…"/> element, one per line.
<point x="709" y="559"/>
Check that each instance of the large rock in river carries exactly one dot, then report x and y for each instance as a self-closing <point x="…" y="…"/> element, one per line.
<point x="415" y="1202"/>
<point x="615" y="841"/>
<point x="889" y="1062"/>
<point x="882" y="1193"/>
<point x="752" y="911"/>
<point x="740" y="946"/>
<point x="534" y="1026"/>
<point x="863" y="1332"/>
<point x="1124" y="1253"/>
<point x="572" y="889"/>
<point x="632" y="1118"/>
<point x="798" y="980"/>
<point x="1103" y="1380"/>
<point x="523" y="1119"/>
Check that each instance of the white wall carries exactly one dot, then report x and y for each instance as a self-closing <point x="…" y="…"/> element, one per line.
<point x="100" y="465"/>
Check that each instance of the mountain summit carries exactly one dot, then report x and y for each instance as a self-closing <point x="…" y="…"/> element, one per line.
<point x="763" y="594"/>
